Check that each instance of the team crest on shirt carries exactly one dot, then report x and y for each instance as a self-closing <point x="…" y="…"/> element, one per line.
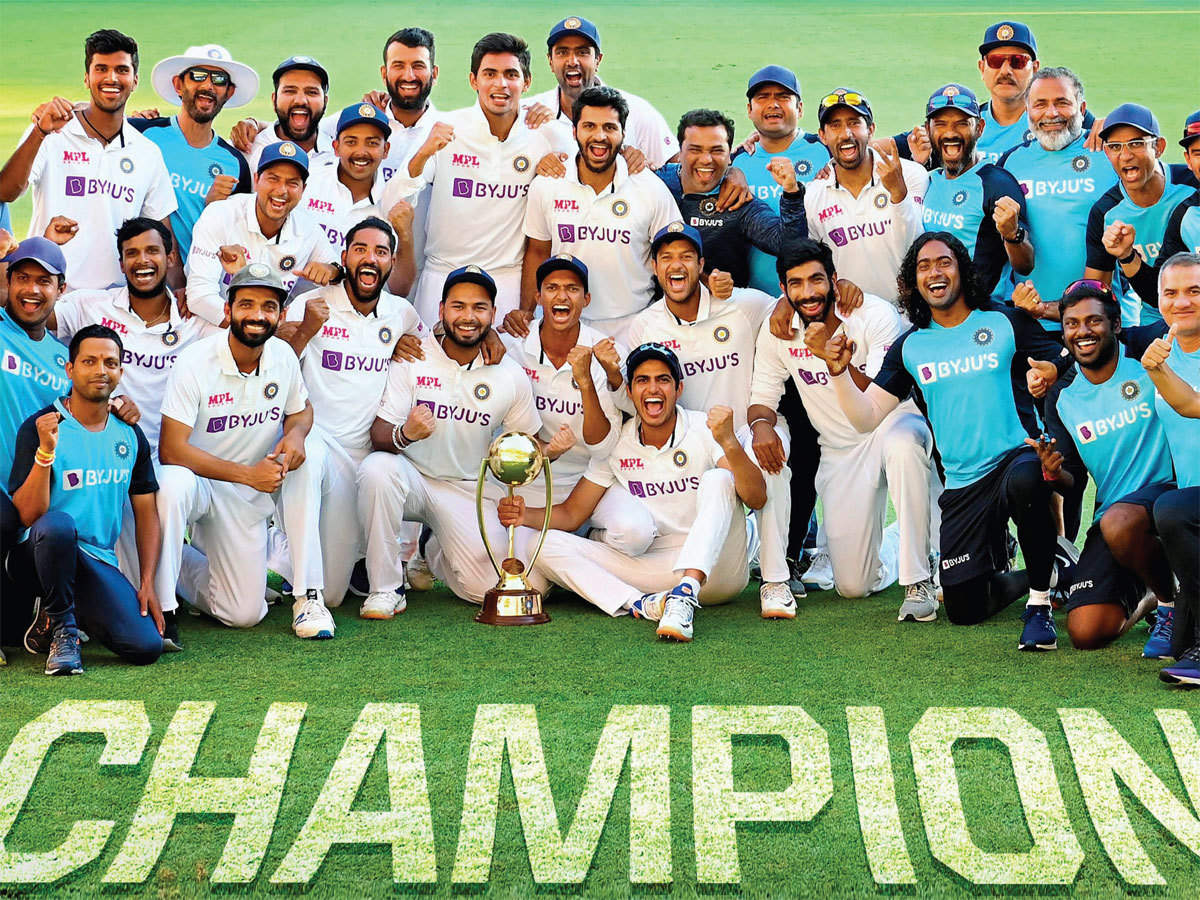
<point x="708" y="206"/>
<point x="271" y="390"/>
<point x="287" y="263"/>
<point x="482" y="391"/>
<point x="1004" y="32"/>
<point x="60" y="360"/>
<point x="214" y="170"/>
<point x="959" y="198"/>
<point x="385" y="335"/>
<point x="720" y="334"/>
<point x="620" y="209"/>
<point x="521" y="163"/>
<point x="803" y="167"/>
<point x="126" y="164"/>
<point x="170" y="337"/>
<point x="1130" y="390"/>
<point x="881" y="201"/>
<point x="679" y="458"/>
<point x="1081" y="163"/>
<point x="121" y="449"/>
<point x="983" y="336"/>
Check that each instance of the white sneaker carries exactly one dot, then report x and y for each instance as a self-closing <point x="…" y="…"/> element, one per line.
<point x="819" y="575"/>
<point x="383" y="605"/>
<point x="777" y="601"/>
<point x="310" y="617"/>
<point x="417" y="574"/>
<point x="920" y="602"/>
<point x="676" y="621"/>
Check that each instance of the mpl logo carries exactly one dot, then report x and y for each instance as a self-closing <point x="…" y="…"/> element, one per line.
<point x="336" y="333"/>
<point x="1086" y="432"/>
<point x="428" y="381"/>
<point x="332" y="360"/>
<point x="73" y="157"/>
<point x="465" y="160"/>
<point x="672" y="343"/>
<point x="321" y="206"/>
<point x="631" y="462"/>
<point x="72" y="479"/>
<point x="532" y="373"/>
<point x="219" y="399"/>
<point x="113" y="324"/>
<point x="566" y="206"/>
<point x="828" y="211"/>
<point x="799" y="352"/>
<point x="566" y="233"/>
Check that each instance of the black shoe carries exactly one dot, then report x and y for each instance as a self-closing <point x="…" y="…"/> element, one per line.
<point x="64" y="658"/>
<point x="171" y="643"/>
<point x="41" y="631"/>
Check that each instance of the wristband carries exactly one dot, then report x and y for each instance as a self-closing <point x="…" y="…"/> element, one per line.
<point x="1017" y="238"/>
<point x="45" y="464"/>
<point x="398" y="440"/>
<point x="1046" y="475"/>
<point x="760" y="419"/>
<point x="1126" y="260"/>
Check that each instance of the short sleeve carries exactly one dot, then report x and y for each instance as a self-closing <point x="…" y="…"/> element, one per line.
<point x="297" y="396"/>
<point x="396" y="402"/>
<point x="182" y="398"/>
<point x="160" y="196"/>
<point x="893" y="377"/>
<point x="536" y="225"/>
<point x="599" y="472"/>
<point x="1055" y="428"/>
<point x="142" y="480"/>
<point x="26" y="446"/>
<point x="522" y="415"/>
<point x="1097" y="257"/>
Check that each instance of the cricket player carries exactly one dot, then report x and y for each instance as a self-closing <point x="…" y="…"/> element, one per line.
<point x="967" y="374"/>
<point x="264" y="227"/>
<point x="91" y="163"/>
<point x="692" y="474"/>
<point x="479" y="162"/>
<point x="600" y="213"/>
<point x="75" y="464"/>
<point x="857" y="471"/>
<point x="300" y="99"/>
<point x="234" y="422"/>
<point x="1183" y="228"/>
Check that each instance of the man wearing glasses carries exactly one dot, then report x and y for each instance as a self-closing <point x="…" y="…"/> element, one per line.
<point x="203" y="166"/>
<point x="1126" y="226"/>
<point x="976" y="201"/>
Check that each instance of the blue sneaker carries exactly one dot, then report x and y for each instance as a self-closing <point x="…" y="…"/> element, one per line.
<point x="1162" y="633"/>
<point x="678" y="612"/>
<point x="649" y="606"/>
<point x="1038" y="633"/>
<point x="1185" y="672"/>
<point x="64" y="658"/>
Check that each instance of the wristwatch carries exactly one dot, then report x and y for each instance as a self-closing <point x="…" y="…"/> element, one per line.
<point x="1017" y="238"/>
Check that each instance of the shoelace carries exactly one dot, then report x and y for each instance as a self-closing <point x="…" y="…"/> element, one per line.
<point x="1164" y="622"/>
<point x="1191" y="654"/>
<point x="683" y="598"/>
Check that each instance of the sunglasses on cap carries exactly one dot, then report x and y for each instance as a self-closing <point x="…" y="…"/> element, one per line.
<point x="1092" y="286"/>
<point x="961" y="101"/>
<point x="219" y="79"/>
<point x="850" y="98"/>
<point x="1192" y="129"/>
<point x="1016" y="61"/>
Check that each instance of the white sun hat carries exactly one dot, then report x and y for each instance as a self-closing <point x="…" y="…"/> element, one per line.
<point x="245" y="79"/>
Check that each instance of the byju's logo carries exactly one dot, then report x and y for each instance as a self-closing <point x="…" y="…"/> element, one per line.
<point x="1086" y="432"/>
<point x="76" y="186"/>
<point x="72" y="479"/>
<point x="926" y="373"/>
<point x="216" y="424"/>
<point x="331" y="359"/>
<point x="10" y="363"/>
<point x="462" y="187"/>
<point x="636" y="488"/>
<point x="566" y="233"/>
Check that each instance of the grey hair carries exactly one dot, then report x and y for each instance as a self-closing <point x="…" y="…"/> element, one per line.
<point x="1182" y="258"/>
<point x="1060" y="72"/>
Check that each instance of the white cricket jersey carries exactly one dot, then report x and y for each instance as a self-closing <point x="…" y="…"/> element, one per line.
<point x="150" y="352"/>
<point x="610" y="231"/>
<point x="234" y="415"/>
<point x="471" y="404"/>
<point x="319" y="155"/>
<point x="345" y="365"/>
<point x="666" y="480"/>
<point x="716" y="351"/>
<point x="645" y="127"/>
<point x="234" y="221"/>
<point x="869" y="234"/>
<point x="873" y="327"/>
<point x="558" y="400"/>
<point x="479" y="188"/>
<point x="328" y="201"/>
<point x="99" y="186"/>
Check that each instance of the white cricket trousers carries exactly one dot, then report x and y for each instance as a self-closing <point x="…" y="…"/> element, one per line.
<point x="854" y="485"/>
<point x="427" y="295"/>
<point x="229" y="525"/>
<point x="612" y="580"/>
<point x="391" y="490"/>
<point x="620" y="519"/>
<point x="776" y="513"/>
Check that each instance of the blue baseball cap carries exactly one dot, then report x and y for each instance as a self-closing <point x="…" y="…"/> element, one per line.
<point x="1131" y="114"/>
<point x="953" y="96"/>
<point x="301" y="62"/>
<point x="470" y="275"/>
<point x="779" y="75"/>
<point x="283" y="152"/>
<point x="652" y="350"/>
<point x="847" y="97"/>
<point x="677" y="231"/>
<point x="563" y="262"/>
<point x="1191" y="129"/>
<point x="574" y="25"/>
<point x="364" y="112"/>
<point x="42" y="251"/>
<point x="1008" y="33"/>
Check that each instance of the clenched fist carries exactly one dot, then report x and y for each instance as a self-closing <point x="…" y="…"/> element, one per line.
<point x="720" y="423"/>
<point x="221" y="187"/>
<point x="1006" y="215"/>
<point x="47" y="429"/>
<point x="579" y="358"/>
<point x="419" y="424"/>
<point x="564" y="439"/>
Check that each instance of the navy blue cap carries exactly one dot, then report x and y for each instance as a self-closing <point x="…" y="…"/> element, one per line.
<point x="652" y="350"/>
<point x="953" y="96"/>
<point x="301" y="62"/>
<point x="364" y="112"/>
<point x="42" y="251"/>
<point x="1191" y="129"/>
<point x="1008" y="33"/>
<point x="283" y="152"/>
<point x="470" y="275"/>
<point x="1131" y="114"/>
<point x="563" y="262"/>
<point x="674" y="231"/>
<point x="779" y="75"/>
<point x="847" y="97"/>
<point x="574" y="25"/>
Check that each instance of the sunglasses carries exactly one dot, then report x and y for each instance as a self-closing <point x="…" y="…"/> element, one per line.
<point x="1090" y="285"/>
<point x="849" y="98"/>
<point x="1136" y="145"/>
<point x="1193" y="128"/>
<point x="218" y="79"/>
<point x="1016" y="61"/>
<point x="960" y="101"/>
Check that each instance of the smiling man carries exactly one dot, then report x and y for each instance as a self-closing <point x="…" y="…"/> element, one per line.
<point x="300" y="99"/>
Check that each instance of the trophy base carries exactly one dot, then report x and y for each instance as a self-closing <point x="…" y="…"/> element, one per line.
<point x="512" y="607"/>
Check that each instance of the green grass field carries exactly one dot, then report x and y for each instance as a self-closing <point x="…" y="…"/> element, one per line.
<point x="836" y="654"/>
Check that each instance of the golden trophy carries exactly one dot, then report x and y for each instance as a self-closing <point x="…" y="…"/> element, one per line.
<point x="515" y="459"/>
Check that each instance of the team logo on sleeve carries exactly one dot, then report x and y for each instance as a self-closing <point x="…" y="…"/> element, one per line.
<point x="983" y="336"/>
<point x="126" y="164"/>
<point x="170" y="337"/>
<point x="521" y="163"/>
<point x="482" y="391"/>
<point x="385" y="335"/>
<point x="679" y="458"/>
<point x="720" y="334"/>
<point x="803" y="167"/>
<point x="1130" y="390"/>
<point x="1003" y="33"/>
<point x="1081" y="163"/>
<point x="287" y="264"/>
<point x="959" y="198"/>
<point x="881" y="201"/>
<point x="121" y="449"/>
<point x="708" y="206"/>
<point x="214" y="170"/>
<point x="620" y="209"/>
<point x="271" y="390"/>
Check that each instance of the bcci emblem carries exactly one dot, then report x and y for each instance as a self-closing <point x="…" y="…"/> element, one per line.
<point x="950" y="91"/>
<point x="214" y="170"/>
<point x="959" y="198"/>
<point x="170" y="338"/>
<point x="271" y="390"/>
<point x="521" y="163"/>
<point x="60" y="360"/>
<point x="126" y="165"/>
<point x="287" y="264"/>
<point x="620" y="209"/>
<point x="1080" y="163"/>
<point x="803" y="167"/>
<point x="720" y="334"/>
<point x="571" y="23"/>
<point x="482" y="391"/>
<point x="367" y="111"/>
<point x="1004" y="32"/>
<point x="385" y="335"/>
<point x="983" y="336"/>
<point x="881" y="201"/>
<point x="675" y="227"/>
<point x="258" y="270"/>
<point x="287" y="148"/>
<point x="122" y="449"/>
<point x="708" y="206"/>
<point x="1130" y="390"/>
<point x="679" y="458"/>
